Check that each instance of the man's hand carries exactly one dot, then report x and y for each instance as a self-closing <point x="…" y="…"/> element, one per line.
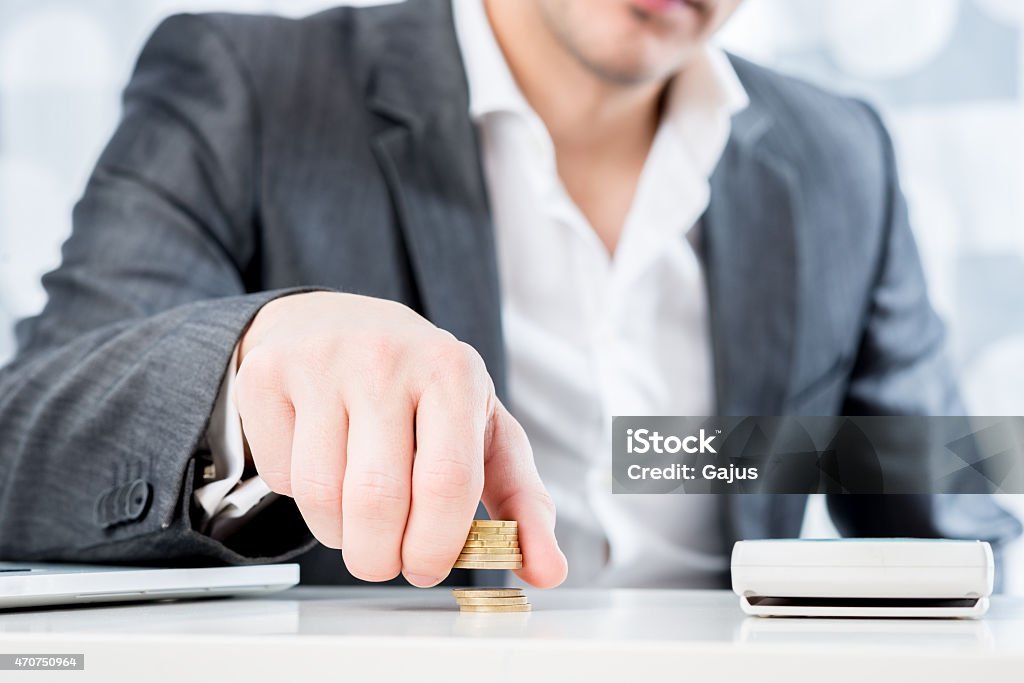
<point x="387" y="433"/>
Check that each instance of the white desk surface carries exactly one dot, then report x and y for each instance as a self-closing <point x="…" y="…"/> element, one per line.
<point x="410" y="635"/>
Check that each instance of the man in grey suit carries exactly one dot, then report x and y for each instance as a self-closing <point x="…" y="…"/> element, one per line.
<point x="305" y="203"/>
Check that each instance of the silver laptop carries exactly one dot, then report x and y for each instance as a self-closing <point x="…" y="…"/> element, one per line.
<point x="38" y="585"/>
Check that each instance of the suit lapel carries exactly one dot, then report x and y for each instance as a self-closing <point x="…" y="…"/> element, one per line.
<point x="427" y="150"/>
<point x="749" y="238"/>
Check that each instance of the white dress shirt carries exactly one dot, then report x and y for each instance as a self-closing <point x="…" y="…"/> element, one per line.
<point x="587" y="336"/>
<point x="227" y="500"/>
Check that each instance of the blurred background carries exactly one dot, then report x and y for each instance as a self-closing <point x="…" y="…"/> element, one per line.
<point x="948" y="76"/>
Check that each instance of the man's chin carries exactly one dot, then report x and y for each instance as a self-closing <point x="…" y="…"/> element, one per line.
<point x="631" y="70"/>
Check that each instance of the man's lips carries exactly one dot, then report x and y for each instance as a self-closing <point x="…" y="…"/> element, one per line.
<point x="662" y="7"/>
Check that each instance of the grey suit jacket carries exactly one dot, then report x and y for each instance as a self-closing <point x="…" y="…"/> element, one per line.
<point x="259" y="156"/>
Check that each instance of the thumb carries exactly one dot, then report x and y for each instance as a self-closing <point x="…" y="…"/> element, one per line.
<point x="513" y="491"/>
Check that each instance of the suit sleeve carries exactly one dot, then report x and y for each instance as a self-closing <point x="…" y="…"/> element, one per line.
<point x="902" y="369"/>
<point x="104" y="407"/>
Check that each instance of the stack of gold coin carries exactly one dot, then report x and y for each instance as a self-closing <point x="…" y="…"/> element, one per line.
<point x="491" y="544"/>
<point x="491" y="600"/>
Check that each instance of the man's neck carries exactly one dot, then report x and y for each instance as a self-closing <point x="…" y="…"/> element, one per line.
<point x="584" y="114"/>
<point x="602" y="131"/>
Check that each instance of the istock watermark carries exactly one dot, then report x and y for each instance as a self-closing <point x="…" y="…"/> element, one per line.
<point x="842" y="454"/>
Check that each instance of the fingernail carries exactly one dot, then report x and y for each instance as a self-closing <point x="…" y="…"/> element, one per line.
<point x="421" y="581"/>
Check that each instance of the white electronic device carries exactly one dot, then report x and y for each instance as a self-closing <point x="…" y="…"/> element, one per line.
<point x="892" y="577"/>
<point x="37" y="585"/>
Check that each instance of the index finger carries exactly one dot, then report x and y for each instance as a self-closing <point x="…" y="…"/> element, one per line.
<point x="513" y="490"/>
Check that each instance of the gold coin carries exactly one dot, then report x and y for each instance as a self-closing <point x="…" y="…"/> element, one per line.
<point x="474" y="557"/>
<point x="466" y="564"/>
<point x="490" y="551"/>
<point x="494" y="522"/>
<point x="492" y="544"/>
<point x="518" y="600"/>
<point x="487" y="592"/>
<point x="476" y="536"/>
<point x="495" y="608"/>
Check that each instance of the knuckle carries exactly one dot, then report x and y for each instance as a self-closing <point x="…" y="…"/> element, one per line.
<point x="317" y="491"/>
<point x="257" y="375"/>
<point x="515" y="437"/>
<point x="509" y="436"/>
<point x="461" y="359"/>
<point x="274" y="370"/>
<point x="381" y="352"/>
<point x="544" y="501"/>
<point x="448" y="479"/>
<point x="458" y="362"/>
<point x="379" y="498"/>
